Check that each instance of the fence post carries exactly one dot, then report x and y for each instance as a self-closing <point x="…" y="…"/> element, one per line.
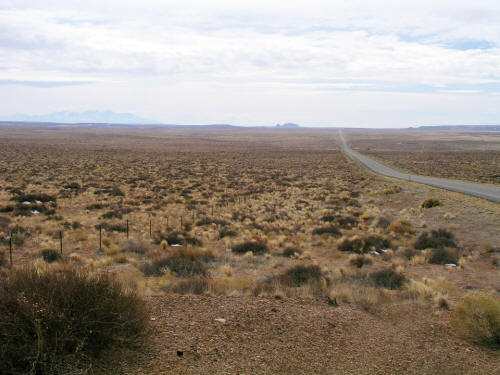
<point x="10" y="248"/>
<point x="193" y="217"/>
<point x="100" y="237"/>
<point x="60" y="241"/>
<point x="212" y="211"/>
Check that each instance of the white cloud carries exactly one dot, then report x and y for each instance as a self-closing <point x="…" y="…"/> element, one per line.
<point x="281" y="50"/>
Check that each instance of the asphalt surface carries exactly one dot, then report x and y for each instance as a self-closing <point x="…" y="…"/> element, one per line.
<point x="485" y="191"/>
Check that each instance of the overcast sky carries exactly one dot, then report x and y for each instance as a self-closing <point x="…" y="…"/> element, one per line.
<point x="334" y="62"/>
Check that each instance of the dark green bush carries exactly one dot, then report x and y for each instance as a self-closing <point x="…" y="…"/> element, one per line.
<point x="438" y="238"/>
<point x="51" y="322"/>
<point x="388" y="278"/>
<point x="255" y="247"/>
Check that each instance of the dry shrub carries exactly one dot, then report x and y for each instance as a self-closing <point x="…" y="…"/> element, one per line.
<point x="255" y="247"/>
<point x="365" y="244"/>
<point x="132" y="245"/>
<point x="359" y="260"/>
<point x="477" y="318"/>
<point x="291" y="252"/>
<point x="184" y="262"/>
<point x="300" y="275"/>
<point x="331" y="230"/>
<point x="388" y="278"/>
<point x="231" y="284"/>
<point x="443" y="256"/>
<point x="50" y="255"/>
<point x="2" y="259"/>
<point x="53" y="322"/>
<point x="437" y="238"/>
<point x="430" y="202"/>
<point x="401" y="227"/>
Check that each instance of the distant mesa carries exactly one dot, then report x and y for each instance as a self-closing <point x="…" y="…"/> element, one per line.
<point x="288" y="125"/>
<point x="90" y="117"/>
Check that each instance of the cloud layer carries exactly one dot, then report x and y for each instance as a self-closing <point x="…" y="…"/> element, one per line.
<point x="254" y="62"/>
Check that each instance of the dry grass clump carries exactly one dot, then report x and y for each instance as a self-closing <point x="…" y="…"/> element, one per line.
<point x="477" y="318"/>
<point x="54" y="322"/>
<point x="360" y="260"/>
<point x="132" y="245"/>
<point x="401" y="227"/>
<point x="3" y="263"/>
<point x="430" y="202"/>
<point x="256" y="247"/>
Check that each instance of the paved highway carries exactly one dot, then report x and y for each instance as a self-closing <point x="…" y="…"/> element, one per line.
<point x="485" y="191"/>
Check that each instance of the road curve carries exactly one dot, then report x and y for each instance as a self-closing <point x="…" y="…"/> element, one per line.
<point x="485" y="191"/>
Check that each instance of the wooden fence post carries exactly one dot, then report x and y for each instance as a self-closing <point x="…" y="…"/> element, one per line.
<point x="10" y="248"/>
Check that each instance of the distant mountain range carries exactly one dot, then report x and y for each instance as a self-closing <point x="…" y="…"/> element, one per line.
<point x="87" y="117"/>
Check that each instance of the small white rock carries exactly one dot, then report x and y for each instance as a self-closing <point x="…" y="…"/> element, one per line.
<point x="451" y="265"/>
<point x="26" y="203"/>
<point x="38" y="202"/>
<point x="175" y="245"/>
<point x="35" y="212"/>
<point x="220" y="320"/>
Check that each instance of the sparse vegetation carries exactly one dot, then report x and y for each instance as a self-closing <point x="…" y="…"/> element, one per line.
<point x="254" y="246"/>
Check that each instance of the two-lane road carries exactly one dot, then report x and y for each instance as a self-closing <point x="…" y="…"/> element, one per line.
<point x="485" y="191"/>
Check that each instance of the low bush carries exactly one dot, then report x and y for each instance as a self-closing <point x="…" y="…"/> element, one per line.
<point x="401" y="227"/>
<point x="387" y="278"/>
<point x="477" y="318"/>
<point x="53" y="322"/>
<point x="331" y="230"/>
<point x="300" y="275"/>
<point x="328" y="218"/>
<point x="383" y="222"/>
<point x="442" y="256"/>
<point x="290" y="252"/>
<point x="430" y="202"/>
<point x="184" y="262"/>
<point x="50" y="255"/>
<point x="365" y="245"/>
<point x="347" y="222"/>
<point x="359" y="261"/>
<point x="227" y="233"/>
<point x="438" y="238"/>
<point x="255" y="247"/>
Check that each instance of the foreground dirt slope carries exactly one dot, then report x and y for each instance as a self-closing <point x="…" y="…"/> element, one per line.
<point x="272" y="336"/>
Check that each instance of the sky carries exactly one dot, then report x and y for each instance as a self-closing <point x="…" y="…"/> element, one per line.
<point x="370" y="63"/>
